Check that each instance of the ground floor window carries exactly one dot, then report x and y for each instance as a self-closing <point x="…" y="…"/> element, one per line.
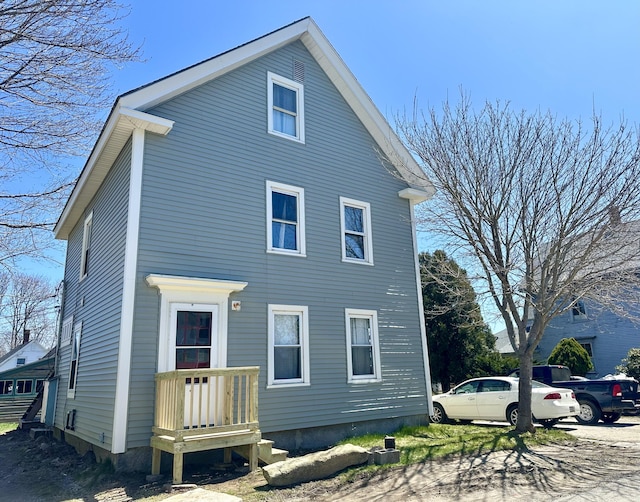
<point x="288" y="334"/>
<point x="363" y="353"/>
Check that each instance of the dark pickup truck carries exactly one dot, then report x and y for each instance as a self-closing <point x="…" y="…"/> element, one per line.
<point x="603" y="399"/>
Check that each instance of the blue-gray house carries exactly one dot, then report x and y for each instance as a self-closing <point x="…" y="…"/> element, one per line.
<point x="607" y="336"/>
<point x="241" y="264"/>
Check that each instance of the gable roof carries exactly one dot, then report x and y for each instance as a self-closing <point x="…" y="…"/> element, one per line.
<point x="128" y="111"/>
<point x="20" y="348"/>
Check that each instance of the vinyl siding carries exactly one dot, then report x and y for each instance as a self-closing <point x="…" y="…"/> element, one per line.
<point x="611" y="336"/>
<point x="96" y="301"/>
<point x="203" y="215"/>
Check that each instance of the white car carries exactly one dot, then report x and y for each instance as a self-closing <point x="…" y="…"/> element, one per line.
<point x="496" y="398"/>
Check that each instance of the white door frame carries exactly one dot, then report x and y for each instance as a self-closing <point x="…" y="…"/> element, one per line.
<point x="191" y="290"/>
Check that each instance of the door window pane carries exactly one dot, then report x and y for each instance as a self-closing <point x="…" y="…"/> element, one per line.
<point x="193" y="339"/>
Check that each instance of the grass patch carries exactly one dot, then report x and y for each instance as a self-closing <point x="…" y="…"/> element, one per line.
<point x="7" y="427"/>
<point x="420" y="444"/>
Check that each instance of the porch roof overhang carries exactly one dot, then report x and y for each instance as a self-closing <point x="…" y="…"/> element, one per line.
<point x="194" y="284"/>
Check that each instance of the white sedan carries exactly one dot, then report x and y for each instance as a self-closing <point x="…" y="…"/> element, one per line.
<point x="496" y="398"/>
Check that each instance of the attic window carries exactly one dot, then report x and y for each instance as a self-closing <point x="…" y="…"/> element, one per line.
<point x="285" y="107"/>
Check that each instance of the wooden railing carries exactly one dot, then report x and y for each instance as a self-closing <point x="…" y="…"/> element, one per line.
<point x="206" y="401"/>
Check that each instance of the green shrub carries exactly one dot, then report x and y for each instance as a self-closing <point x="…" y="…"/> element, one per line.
<point x="630" y="365"/>
<point x="570" y="353"/>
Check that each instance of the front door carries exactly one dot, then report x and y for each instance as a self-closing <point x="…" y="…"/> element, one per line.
<point x="195" y="346"/>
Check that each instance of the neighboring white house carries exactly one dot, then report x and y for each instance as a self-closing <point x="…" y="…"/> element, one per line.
<point x="26" y="353"/>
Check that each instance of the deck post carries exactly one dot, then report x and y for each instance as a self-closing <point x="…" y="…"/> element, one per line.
<point x="155" y="461"/>
<point x="178" y="463"/>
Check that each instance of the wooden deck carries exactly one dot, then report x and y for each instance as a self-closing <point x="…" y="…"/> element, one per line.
<point x="205" y="409"/>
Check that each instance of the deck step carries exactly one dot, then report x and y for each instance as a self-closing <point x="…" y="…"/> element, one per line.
<point x="267" y="454"/>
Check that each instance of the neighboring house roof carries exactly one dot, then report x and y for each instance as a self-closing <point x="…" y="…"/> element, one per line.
<point x="46" y="362"/>
<point x="503" y="344"/>
<point x="15" y="352"/>
<point x="128" y="112"/>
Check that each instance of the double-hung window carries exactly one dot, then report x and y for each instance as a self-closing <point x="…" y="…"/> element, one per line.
<point x="363" y="352"/>
<point x="86" y="246"/>
<point x="75" y="355"/>
<point x="285" y="219"/>
<point x="285" y="107"/>
<point x="355" y="222"/>
<point x="288" y="328"/>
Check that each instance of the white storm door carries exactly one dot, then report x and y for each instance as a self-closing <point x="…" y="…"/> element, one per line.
<point x="195" y="340"/>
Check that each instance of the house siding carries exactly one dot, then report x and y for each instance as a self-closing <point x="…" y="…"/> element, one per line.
<point x="96" y="301"/>
<point x="203" y="214"/>
<point x="611" y="336"/>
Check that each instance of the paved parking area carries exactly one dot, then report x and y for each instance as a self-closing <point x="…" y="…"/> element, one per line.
<point x="625" y="430"/>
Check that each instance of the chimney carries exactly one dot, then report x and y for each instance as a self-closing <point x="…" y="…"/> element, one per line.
<point x="27" y="333"/>
<point x="614" y="215"/>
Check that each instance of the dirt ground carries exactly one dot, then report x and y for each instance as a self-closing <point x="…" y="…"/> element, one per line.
<point x="46" y="470"/>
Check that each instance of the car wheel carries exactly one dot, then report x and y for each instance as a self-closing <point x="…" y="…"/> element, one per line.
<point x="439" y="416"/>
<point x="589" y="413"/>
<point x="549" y="423"/>
<point x="609" y="418"/>
<point x="512" y="414"/>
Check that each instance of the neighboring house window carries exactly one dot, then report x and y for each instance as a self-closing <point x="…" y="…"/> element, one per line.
<point x="6" y="387"/>
<point x="285" y="219"/>
<point x="363" y="352"/>
<point x="355" y="221"/>
<point x="21" y="361"/>
<point x="288" y="328"/>
<point x="578" y="312"/>
<point x="193" y="339"/>
<point x="588" y="347"/>
<point x="285" y="107"/>
<point x="75" y="355"/>
<point x="86" y="246"/>
<point x="67" y="331"/>
<point x="24" y="386"/>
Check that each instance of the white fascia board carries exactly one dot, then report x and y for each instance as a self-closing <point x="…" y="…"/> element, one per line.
<point x="115" y="134"/>
<point x="339" y="73"/>
<point x="196" y="75"/>
<point x="416" y="196"/>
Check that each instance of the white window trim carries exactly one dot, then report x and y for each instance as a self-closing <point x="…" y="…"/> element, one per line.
<point x="372" y="315"/>
<point x="77" y="335"/>
<point x="300" y="234"/>
<point x="272" y="78"/>
<point x="368" y="240"/>
<point x="86" y="244"/>
<point x="303" y="312"/>
<point x="67" y="331"/>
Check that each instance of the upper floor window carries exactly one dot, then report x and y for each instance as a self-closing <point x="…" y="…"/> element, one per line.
<point x="355" y="221"/>
<point x="285" y="107"/>
<point x="21" y="361"/>
<point x="86" y="246"/>
<point x="578" y="311"/>
<point x="363" y="351"/>
<point x="288" y="327"/>
<point x="285" y="219"/>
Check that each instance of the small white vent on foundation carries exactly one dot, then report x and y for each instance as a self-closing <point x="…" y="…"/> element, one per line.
<point x="298" y="71"/>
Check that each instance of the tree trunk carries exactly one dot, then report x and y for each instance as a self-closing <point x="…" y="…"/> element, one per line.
<point x="525" y="417"/>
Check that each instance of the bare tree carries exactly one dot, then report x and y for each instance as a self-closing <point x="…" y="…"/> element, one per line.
<point x="547" y="212"/>
<point x="55" y="58"/>
<point x="29" y="304"/>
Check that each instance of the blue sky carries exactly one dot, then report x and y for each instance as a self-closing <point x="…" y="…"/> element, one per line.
<point x="570" y="57"/>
